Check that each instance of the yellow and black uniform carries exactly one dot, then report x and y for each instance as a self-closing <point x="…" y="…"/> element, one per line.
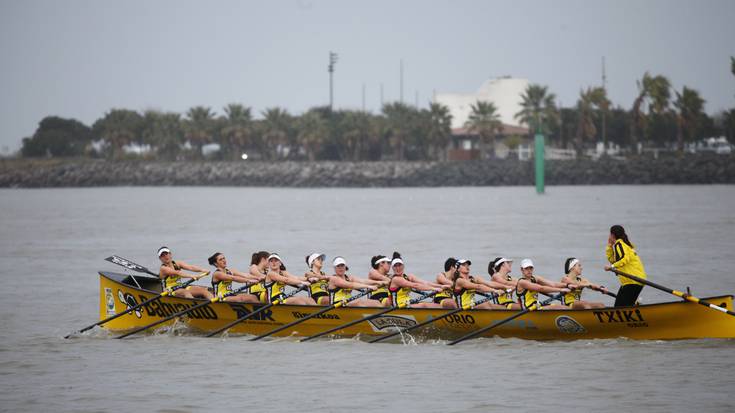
<point x="573" y="295"/>
<point x="259" y="290"/>
<point x="222" y="288"/>
<point x="506" y="298"/>
<point x="318" y="289"/>
<point x="401" y="296"/>
<point x="380" y="294"/>
<point x="527" y="298"/>
<point x="624" y="258"/>
<point x="340" y="294"/>
<point x="277" y="290"/>
<point x="465" y="298"/>
<point x="172" y="280"/>
<point x="442" y="295"/>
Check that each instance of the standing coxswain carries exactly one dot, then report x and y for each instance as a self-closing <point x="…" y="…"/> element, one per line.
<point x="340" y="286"/>
<point x="171" y="273"/>
<point x="573" y="277"/>
<point x="318" y="290"/>
<point x="623" y="257"/>
<point x="401" y="285"/>
<point x="278" y="275"/>
<point x="530" y="285"/>
<point x="222" y="279"/>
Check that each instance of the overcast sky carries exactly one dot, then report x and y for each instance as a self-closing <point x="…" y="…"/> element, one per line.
<point x="79" y="59"/>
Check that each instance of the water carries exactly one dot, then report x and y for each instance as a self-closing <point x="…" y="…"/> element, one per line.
<point x="53" y="242"/>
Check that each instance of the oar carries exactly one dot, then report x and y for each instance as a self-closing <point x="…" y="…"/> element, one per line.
<point x="674" y="292"/>
<point x="258" y="311"/>
<point x="338" y="304"/>
<point x="148" y="301"/>
<point x="370" y="317"/>
<point x="503" y="321"/>
<point x="611" y="294"/>
<point x="488" y="297"/>
<point x="188" y="310"/>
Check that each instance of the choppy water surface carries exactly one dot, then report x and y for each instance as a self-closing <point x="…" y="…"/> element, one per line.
<point x="53" y="241"/>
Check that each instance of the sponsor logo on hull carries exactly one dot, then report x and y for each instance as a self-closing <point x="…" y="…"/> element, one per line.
<point x="158" y="308"/>
<point x="568" y="325"/>
<point x="128" y="300"/>
<point x="391" y="323"/>
<point x="109" y="301"/>
<point x="631" y="318"/>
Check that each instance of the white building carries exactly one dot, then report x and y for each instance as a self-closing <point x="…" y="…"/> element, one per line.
<point x="504" y="92"/>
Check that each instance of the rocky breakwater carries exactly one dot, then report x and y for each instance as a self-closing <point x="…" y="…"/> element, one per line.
<point x="699" y="169"/>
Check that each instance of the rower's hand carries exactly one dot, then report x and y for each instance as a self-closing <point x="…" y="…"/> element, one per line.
<point x="304" y="284"/>
<point x="372" y="287"/>
<point x="564" y="290"/>
<point x="608" y="267"/>
<point x="200" y="275"/>
<point x="604" y="290"/>
<point x="437" y="289"/>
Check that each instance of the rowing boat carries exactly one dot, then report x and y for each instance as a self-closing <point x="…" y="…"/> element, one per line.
<point x="662" y="321"/>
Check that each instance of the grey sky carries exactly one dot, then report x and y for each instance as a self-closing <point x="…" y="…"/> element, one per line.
<point x="81" y="58"/>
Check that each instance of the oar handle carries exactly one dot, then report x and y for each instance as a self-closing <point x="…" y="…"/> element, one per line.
<point x="677" y="293"/>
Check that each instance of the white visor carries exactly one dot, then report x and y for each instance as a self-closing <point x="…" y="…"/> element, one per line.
<point x="572" y="263"/>
<point x="396" y="261"/>
<point x="463" y="261"/>
<point x="163" y="250"/>
<point x="502" y="261"/>
<point x="526" y="263"/>
<point x="270" y="257"/>
<point x="313" y="257"/>
<point x="384" y="259"/>
<point x="339" y="261"/>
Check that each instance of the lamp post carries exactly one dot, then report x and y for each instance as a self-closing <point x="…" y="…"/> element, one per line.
<point x="330" y="69"/>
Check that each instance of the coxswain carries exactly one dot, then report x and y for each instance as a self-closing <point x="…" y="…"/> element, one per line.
<point x="530" y="285"/>
<point x="171" y="273"/>
<point x="259" y="268"/>
<point x="278" y="275"/>
<point x="380" y="267"/>
<point x="445" y="297"/>
<point x="401" y="285"/>
<point x="222" y="279"/>
<point x="318" y="290"/>
<point x="573" y="277"/>
<point x="340" y="286"/>
<point x="499" y="270"/>
<point x="623" y="257"/>
<point x="465" y="286"/>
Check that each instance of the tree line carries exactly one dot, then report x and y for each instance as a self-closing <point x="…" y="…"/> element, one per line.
<point x="659" y="116"/>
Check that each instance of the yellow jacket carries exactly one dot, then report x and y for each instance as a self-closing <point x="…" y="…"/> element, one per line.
<point x="625" y="259"/>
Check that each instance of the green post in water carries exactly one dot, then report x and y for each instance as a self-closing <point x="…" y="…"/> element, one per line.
<point x="539" y="155"/>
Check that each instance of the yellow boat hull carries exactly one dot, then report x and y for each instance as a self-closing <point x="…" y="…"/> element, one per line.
<point x="664" y="321"/>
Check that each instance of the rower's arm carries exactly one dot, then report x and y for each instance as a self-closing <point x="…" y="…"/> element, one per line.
<point x="545" y="289"/>
<point x="191" y="267"/>
<point x="244" y="277"/>
<point x="544" y="281"/>
<point x="494" y="284"/>
<point x="167" y="272"/>
<point x="376" y="276"/>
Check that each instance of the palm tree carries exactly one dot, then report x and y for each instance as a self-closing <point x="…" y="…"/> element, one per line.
<point x="237" y="131"/>
<point x="163" y="131"/>
<point x="118" y="128"/>
<point x="313" y="131"/>
<point x="355" y="128"/>
<point x="439" y="131"/>
<point x="398" y="117"/>
<point x="276" y="131"/>
<point x="591" y="101"/>
<point x="485" y="121"/>
<point x="638" y="118"/>
<point x="539" y="109"/>
<point x="689" y="106"/>
<point x="200" y="127"/>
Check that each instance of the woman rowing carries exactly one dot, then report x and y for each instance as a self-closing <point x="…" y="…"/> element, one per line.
<point x="379" y="272"/>
<point x="222" y="279"/>
<point x="259" y="268"/>
<point x="529" y="286"/>
<point x="573" y="277"/>
<point x="318" y="290"/>
<point x="499" y="270"/>
<point x="401" y="285"/>
<point x="171" y="273"/>
<point x="340" y="286"/>
<point x="623" y="257"/>
<point x="278" y="275"/>
<point x="445" y="298"/>
<point x="465" y="286"/>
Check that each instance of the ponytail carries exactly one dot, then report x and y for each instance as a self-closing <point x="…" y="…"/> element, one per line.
<point x="619" y="233"/>
<point x="213" y="259"/>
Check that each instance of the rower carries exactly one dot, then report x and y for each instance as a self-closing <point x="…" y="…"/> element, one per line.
<point x="465" y="286"/>
<point x="379" y="272"/>
<point x="222" y="279"/>
<point x="573" y="277"/>
<point x="445" y="298"/>
<point x="278" y="275"/>
<point x="499" y="270"/>
<point x="530" y="285"/>
<point x="171" y="273"/>
<point x="318" y="279"/>
<point x="259" y="268"/>
<point x="623" y="257"/>
<point x="401" y="285"/>
<point x="340" y="286"/>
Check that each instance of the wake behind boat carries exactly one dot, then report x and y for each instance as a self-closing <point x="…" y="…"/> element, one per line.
<point x="663" y="321"/>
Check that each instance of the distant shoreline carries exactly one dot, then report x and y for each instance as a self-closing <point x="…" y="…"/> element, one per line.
<point x="54" y="173"/>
